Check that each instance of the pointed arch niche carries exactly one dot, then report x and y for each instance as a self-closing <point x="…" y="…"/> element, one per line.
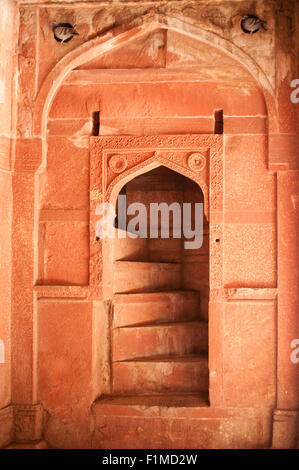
<point x="168" y="324"/>
<point x="117" y="161"/>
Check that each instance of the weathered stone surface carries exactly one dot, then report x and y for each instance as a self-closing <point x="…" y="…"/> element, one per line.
<point x="249" y="352"/>
<point x="66" y="253"/>
<point x="64" y="184"/>
<point x="65" y="363"/>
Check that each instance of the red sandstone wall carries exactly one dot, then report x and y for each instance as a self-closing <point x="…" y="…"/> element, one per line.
<point x="67" y="353"/>
<point x="250" y="203"/>
<point x="138" y="104"/>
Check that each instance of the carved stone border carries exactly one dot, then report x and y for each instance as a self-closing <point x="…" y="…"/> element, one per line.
<point x="142" y="154"/>
<point x="28" y="422"/>
<point x="285" y="428"/>
<point x="21" y="423"/>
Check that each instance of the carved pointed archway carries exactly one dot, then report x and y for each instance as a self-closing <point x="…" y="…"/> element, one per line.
<point x="117" y="160"/>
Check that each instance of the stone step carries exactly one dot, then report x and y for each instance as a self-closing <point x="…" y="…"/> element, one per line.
<point x="161" y="375"/>
<point x="162" y="400"/>
<point x="143" y="308"/>
<point x="175" y="421"/>
<point x="165" y="249"/>
<point x="176" y="339"/>
<point x="131" y="276"/>
<point x="127" y="248"/>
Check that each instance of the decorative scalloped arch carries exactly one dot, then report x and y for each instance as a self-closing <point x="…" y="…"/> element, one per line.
<point x="148" y="165"/>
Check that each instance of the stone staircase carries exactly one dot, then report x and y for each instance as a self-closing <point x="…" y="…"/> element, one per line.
<point x="159" y="388"/>
<point x="159" y="341"/>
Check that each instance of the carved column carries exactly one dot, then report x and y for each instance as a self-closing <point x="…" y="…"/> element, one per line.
<point x="28" y="415"/>
<point x="286" y="416"/>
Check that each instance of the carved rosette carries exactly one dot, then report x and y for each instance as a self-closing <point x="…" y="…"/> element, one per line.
<point x="118" y="163"/>
<point x="197" y="161"/>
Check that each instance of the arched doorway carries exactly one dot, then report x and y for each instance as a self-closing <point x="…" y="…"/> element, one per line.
<point x="158" y="291"/>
